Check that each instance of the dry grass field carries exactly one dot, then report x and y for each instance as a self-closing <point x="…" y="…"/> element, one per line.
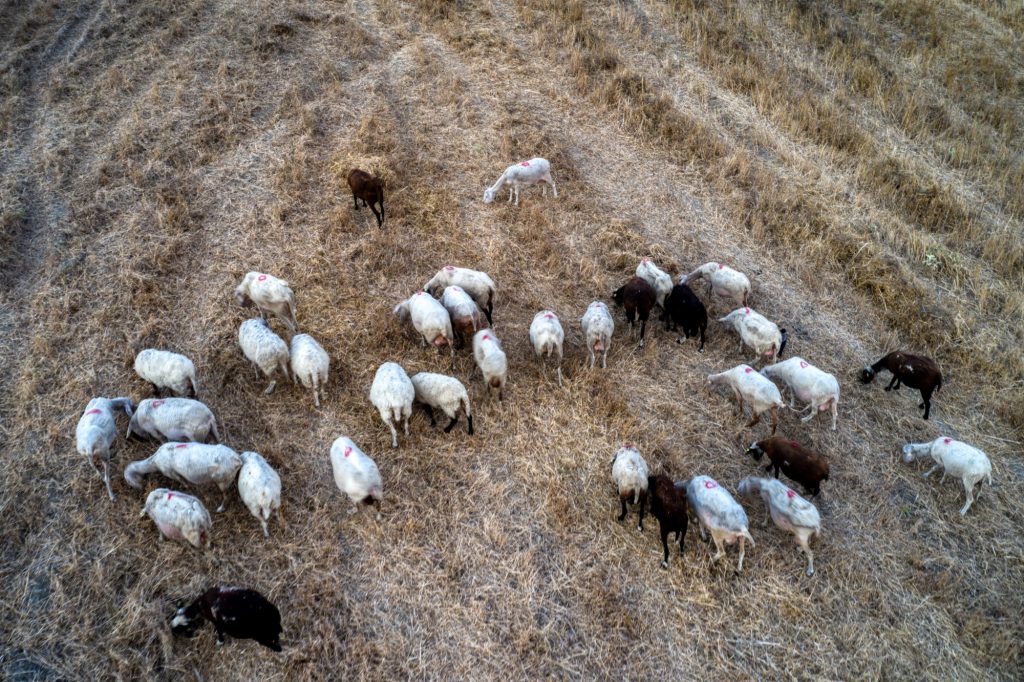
<point x="861" y="160"/>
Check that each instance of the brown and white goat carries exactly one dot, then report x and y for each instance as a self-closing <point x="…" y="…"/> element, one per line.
<point x="368" y="188"/>
<point x="638" y="298"/>
<point x="916" y="371"/>
<point x="804" y="466"/>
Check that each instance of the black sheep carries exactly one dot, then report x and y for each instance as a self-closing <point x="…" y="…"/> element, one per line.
<point x="682" y="307"/>
<point x="234" y="611"/>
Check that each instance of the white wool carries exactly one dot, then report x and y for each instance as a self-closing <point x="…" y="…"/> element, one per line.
<point x="271" y="296"/>
<point x="630" y="472"/>
<point x="165" y="369"/>
<point x="491" y="360"/>
<point x="466" y="316"/>
<point x="598" y="327"/>
<point x="195" y="463"/>
<point x="756" y="331"/>
<point x="720" y="514"/>
<point x="179" y="517"/>
<point x="259" y="486"/>
<point x="749" y="387"/>
<point x="955" y="458"/>
<point x="264" y="348"/>
<point x="723" y="282"/>
<point x="475" y="283"/>
<point x="547" y="338"/>
<point x="392" y="394"/>
<point x="446" y="393"/>
<point x="520" y="176"/>
<point x="177" y="419"/>
<point x="310" y="364"/>
<point x="809" y="385"/>
<point x="429" y="318"/>
<point x="96" y="432"/>
<point x="788" y="510"/>
<point x="656" y="277"/>
<point x="355" y="474"/>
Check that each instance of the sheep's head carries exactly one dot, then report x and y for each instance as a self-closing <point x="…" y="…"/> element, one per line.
<point x="488" y="195"/>
<point x="751" y="485"/>
<point x="755" y="451"/>
<point x="242" y="297"/>
<point x="184" y="623"/>
<point x="867" y="375"/>
<point x="913" y="451"/>
<point x="782" y="344"/>
<point x="619" y="295"/>
<point x="401" y="311"/>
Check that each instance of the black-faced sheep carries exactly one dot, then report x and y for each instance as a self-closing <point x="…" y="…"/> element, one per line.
<point x="444" y="393"/>
<point x="915" y="371"/>
<point x="234" y="611"/>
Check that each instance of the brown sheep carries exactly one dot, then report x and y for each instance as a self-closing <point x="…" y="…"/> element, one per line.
<point x="915" y="371"/>
<point x="368" y="188"/>
<point x="668" y="505"/>
<point x="804" y="466"/>
<point x="638" y="298"/>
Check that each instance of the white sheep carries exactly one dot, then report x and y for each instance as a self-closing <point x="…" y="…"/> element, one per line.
<point x="194" y="463"/>
<point x="465" y="313"/>
<point x="598" y="327"/>
<point x="522" y="175"/>
<point x="444" y="393"/>
<point x="356" y="475"/>
<point x="259" y="486"/>
<point x="392" y="394"/>
<point x="547" y="338"/>
<point x="270" y="294"/>
<point x="808" y="384"/>
<point x="720" y="514"/>
<point x="165" y="369"/>
<point x="179" y="517"/>
<point x="310" y="364"/>
<point x="96" y="433"/>
<point x="789" y="511"/>
<point x="491" y="361"/>
<point x="177" y="419"/>
<point x="656" y="277"/>
<point x="751" y="387"/>
<point x="956" y="458"/>
<point x="265" y="349"/>
<point x="430" y="320"/>
<point x="723" y="282"/>
<point x="477" y="284"/>
<point x="757" y="332"/>
<point x="629" y="471"/>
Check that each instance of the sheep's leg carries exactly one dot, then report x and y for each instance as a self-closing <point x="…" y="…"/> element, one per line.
<point x="316" y="397"/>
<point x="622" y="499"/>
<point x="451" y="424"/>
<point x="604" y="358"/>
<point x="802" y="539"/>
<point x="593" y="360"/>
<point x="739" y="566"/>
<point x="378" y="216"/>
<point x="835" y="413"/>
<point x="943" y="478"/>
<point x="755" y="420"/>
<point x="266" y="532"/>
<point x="775" y="419"/>
<point x="969" y="488"/>
<point x="429" y="411"/>
<point x="643" y="506"/>
<point x="270" y="387"/>
<point x="931" y="471"/>
<point x="394" y="433"/>
<point x="559" y="372"/>
<point x="223" y="499"/>
<point x="554" y="189"/>
<point x="355" y="201"/>
<point x="664" y="545"/>
<point x="643" y="328"/>
<point x="719" y="549"/>
<point x="926" y="403"/>
<point x="106" y="479"/>
<point x="406" y="421"/>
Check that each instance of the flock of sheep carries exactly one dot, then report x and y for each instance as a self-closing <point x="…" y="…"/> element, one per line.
<point x="450" y="311"/>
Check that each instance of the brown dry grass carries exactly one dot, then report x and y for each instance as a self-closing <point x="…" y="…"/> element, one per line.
<point x="862" y="165"/>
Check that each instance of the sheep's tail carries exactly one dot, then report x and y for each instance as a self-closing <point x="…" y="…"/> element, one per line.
<point x="195" y="385"/>
<point x="396" y="414"/>
<point x="636" y="495"/>
<point x="265" y="512"/>
<point x="291" y="311"/>
<point x="283" y="366"/>
<point x="465" y="405"/>
<point x="938" y="386"/>
<point x="746" y="534"/>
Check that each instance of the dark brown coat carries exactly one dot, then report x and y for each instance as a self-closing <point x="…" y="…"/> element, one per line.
<point x="368" y="188"/>
<point x="638" y="297"/>
<point x="804" y="466"/>
<point x="916" y="371"/>
<point x="668" y="505"/>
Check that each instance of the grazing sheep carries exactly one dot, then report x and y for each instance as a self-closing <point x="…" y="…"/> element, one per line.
<point x="723" y="282"/>
<point x="751" y="387"/>
<point x="234" y="611"/>
<point x="392" y="394"/>
<point x="547" y="338"/>
<point x="310" y="364"/>
<point x="173" y="419"/>
<point x="491" y="360"/>
<point x="465" y="313"/>
<point x="356" y="475"/>
<point x="522" y="175"/>
<point x="629" y="471"/>
<point x="96" y="433"/>
<point x="637" y="297"/>
<point x="429" y="318"/>
<point x="164" y="369"/>
<point x="475" y="283"/>
<point x="668" y="505"/>
<point x="657" y="278"/>
<point x="193" y="463"/>
<point x="264" y="349"/>
<point x="719" y="513"/>
<point x="259" y="486"/>
<point x="789" y="511"/>
<point x="916" y="371"/>
<point x="598" y="327"/>
<point x="682" y="307"/>
<point x="820" y="390"/>
<point x="956" y="458"/>
<point x="446" y="394"/>
<point x="756" y="331"/>
<point x="270" y="295"/>
<point x="179" y="517"/>
<point x="806" y="467"/>
<point x="368" y="188"/>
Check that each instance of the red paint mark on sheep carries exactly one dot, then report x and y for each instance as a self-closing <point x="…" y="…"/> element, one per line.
<point x="748" y="370"/>
<point x="94" y="411"/>
<point x="710" y="484"/>
<point x="449" y="268"/>
<point x="947" y="441"/>
<point x="180" y="446"/>
<point x="549" y="316"/>
<point x="170" y="496"/>
<point x="721" y="266"/>
<point x="746" y="311"/>
<point x="803" y="365"/>
<point x="348" y="451"/>
<point x="794" y="443"/>
<point x="262" y="278"/>
<point x="790" y="494"/>
<point x="157" y="403"/>
<point x="525" y="163"/>
<point x="486" y="337"/>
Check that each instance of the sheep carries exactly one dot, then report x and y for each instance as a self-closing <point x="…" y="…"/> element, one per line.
<point x="475" y="283"/>
<point x="368" y="188"/>
<point x="637" y="297"/>
<point x="682" y="307"/>
<point x="164" y="369"/>
<point x="264" y="349"/>
<point x="446" y="394"/>
<point x="806" y="467"/>
<point x="96" y="433"/>
<point x="723" y="282"/>
<point x="392" y="394"/>
<point x="310" y="364"/>
<point x="751" y="387"/>
<point x="429" y="318"/>
<point x="598" y="327"/>
<point x="820" y="390"/>
<point x="356" y="475"/>
<point x="234" y="611"/>
<point x="668" y="505"/>
<point x="916" y="371"/>
<point x="270" y="295"/>
<point x="756" y="331"/>
<point x="956" y="458"/>
<point x="660" y="280"/>
<point x="491" y="360"/>
<point x="464" y="312"/>
<point x="259" y="486"/>
<point x="179" y="517"/>
<point x="522" y="175"/>
<point x="193" y="463"/>
<point x="629" y="471"/>
<point x="173" y="419"/>
<point x="547" y="338"/>
<point x="719" y="513"/>
<point x="789" y="511"/>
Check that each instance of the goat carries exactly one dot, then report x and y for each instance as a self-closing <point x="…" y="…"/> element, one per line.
<point x="368" y="188"/>
<point x="916" y="371"/>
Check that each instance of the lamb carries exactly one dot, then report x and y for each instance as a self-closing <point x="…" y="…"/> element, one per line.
<point x="475" y="283"/>
<point x="751" y="387"/>
<point x="807" y="384"/>
<point x="789" y="511"/>
<point x="629" y="471"/>
<point x="310" y="364"/>
<point x="547" y="338"/>
<point x="96" y="433"/>
<point x="598" y="327"/>
<point x="756" y="331"/>
<point x="638" y="298"/>
<point x="464" y="312"/>
<point x="234" y="611"/>
<point x="259" y="486"/>
<point x="682" y="307"/>
<point x="193" y="463"/>
<point x="956" y="458"/>
<point x="179" y="517"/>
<point x="173" y="419"/>
<point x="723" y="282"/>
<point x="916" y="371"/>
<point x="356" y="475"/>
<point x="446" y="394"/>
<point x="657" y="278"/>
<point x="265" y="349"/>
<point x="719" y="513"/>
<point x="392" y="394"/>
<point x="491" y="360"/>
<point x="429" y="318"/>
<point x="270" y="295"/>
<point x="368" y="188"/>
<point x="522" y="175"/>
<point x="668" y="505"/>
<point x="806" y="467"/>
<point x="164" y="369"/>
